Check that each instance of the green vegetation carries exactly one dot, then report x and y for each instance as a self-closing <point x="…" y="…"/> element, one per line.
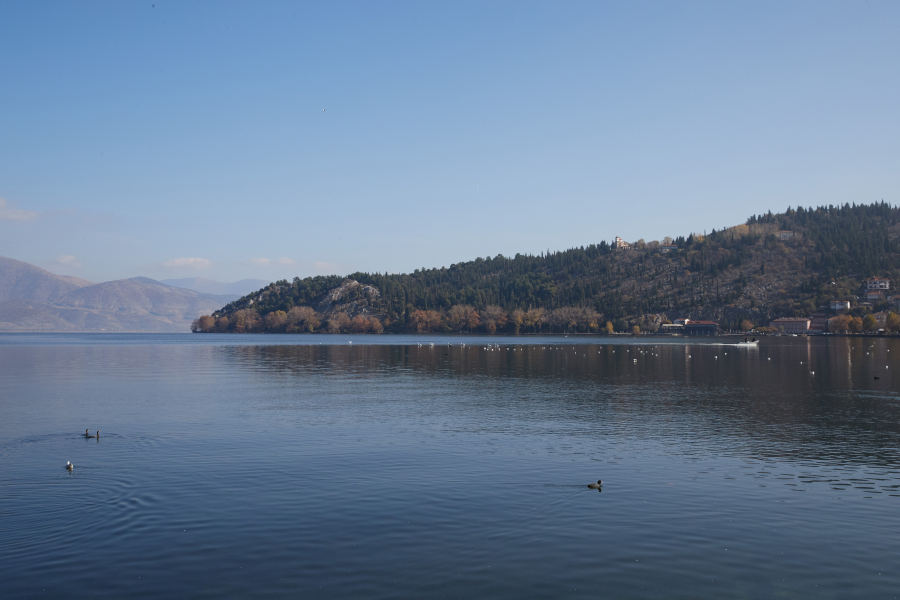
<point x="741" y="275"/>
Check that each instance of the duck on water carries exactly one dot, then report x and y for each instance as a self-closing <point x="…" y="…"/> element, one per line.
<point x="596" y="486"/>
<point x="88" y="435"/>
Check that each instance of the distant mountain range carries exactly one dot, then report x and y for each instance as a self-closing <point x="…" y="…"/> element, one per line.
<point x="32" y="299"/>
<point x="208" y="286"/>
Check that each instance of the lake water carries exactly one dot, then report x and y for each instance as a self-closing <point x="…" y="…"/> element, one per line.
<point x="233" y="466"/>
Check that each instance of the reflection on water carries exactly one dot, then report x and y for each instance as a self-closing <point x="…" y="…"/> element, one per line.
<point x="389" y="467"/>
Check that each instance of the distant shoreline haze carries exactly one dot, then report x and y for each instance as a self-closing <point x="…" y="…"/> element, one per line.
<point x="789" y="264"/>
<point x="208" y="286"/>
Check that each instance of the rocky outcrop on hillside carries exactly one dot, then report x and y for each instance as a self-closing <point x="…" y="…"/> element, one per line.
<point x="328" y="296"/>
<point x="351" y="297"/>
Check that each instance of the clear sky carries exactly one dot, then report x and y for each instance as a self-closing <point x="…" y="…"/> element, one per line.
<point x="272" y="139"/>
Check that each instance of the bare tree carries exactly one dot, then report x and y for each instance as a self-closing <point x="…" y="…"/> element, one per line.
<point x="590" y="319"/>
<point x="338" y="323"/>
<point x="246" y="320"/>
<point x="462" y="316"/>
<point x="458" y="315"/>
<point x="204" y="324"/>
<point x="534" y="318"/>
<point x="276" y="320"/>
<point x="303" y="318"/>
<point x="516" y="319"/>
<point x="493" y="318"/>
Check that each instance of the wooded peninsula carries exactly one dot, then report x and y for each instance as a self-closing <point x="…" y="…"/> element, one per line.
<point x="792" y="264"/>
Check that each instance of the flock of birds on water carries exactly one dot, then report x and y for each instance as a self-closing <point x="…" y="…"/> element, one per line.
<point x="492" y="347"/>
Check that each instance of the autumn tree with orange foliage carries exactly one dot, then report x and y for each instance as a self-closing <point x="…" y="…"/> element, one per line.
<point x="359" y="324"/>
<point x="375" y="325"/>
<point x="424" y="321"/>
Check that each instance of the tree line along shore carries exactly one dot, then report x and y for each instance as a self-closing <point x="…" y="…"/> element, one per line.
<point x="465" y="319"/>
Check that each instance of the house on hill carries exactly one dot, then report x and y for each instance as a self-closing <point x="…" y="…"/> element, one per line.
<point x="622" y="244"/>
<point x="880" y="319"/>
<point x="840" y="305"/>
<point x="667" y="247"/>
<point x="784" y="235"/>
<point x="878" y="283"/>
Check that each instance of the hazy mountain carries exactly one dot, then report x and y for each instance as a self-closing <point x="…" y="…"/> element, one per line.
<point x="25" y="316"/>
<point x="32" y="299"/>
<point x="208" y="286"/>
<point x="22" y="281"/>
<point x="142" y="296"/>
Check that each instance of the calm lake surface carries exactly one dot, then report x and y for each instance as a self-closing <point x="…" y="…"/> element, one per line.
<point x="234" y="466"/>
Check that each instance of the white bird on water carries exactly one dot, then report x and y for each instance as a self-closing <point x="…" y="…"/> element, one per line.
<point x="69" y="466"/>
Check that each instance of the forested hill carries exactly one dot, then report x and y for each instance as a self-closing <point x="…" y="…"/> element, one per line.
<point x="751" y="271"/>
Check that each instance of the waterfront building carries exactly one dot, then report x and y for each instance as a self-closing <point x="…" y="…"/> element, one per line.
<point x="700" y="327"/>
<point x="791" y="324"/>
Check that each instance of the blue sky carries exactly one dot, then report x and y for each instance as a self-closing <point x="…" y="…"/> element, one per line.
<point x="268" y="140"/>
